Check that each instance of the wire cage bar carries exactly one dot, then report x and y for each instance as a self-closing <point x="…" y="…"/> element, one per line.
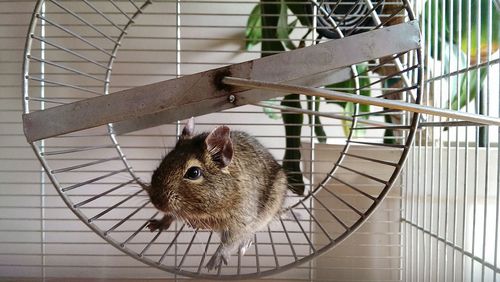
<point x="71" y="55"/>
<point x="451" y="182"/>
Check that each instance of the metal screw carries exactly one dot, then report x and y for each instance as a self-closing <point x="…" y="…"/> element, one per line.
<point x="231" y="99"/>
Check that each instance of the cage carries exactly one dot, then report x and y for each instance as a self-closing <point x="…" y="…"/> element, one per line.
<point x="80" y="49"/>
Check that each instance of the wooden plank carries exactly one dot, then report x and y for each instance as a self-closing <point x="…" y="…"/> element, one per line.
<point x="185" y="96"/>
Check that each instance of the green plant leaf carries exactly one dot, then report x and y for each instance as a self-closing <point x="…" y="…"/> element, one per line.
<point x="453" y="60"/>
<point x="349" y="86"/>
<point x="474" y="86"/>
<point x="318" y="127"/>
<point x="348" y="111"/>
<point x="436" y="9"/>
<point x="272" y="113"/>
<point x="284" y="28"/>
<point x="253" y="32"/>
<point x="313" y="103"/>
<point x="300" y="11"/>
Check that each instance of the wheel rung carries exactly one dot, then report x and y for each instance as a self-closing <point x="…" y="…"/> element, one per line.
<point x="288" y="239"/>
<point x="121" y="11"/>
<point x="66" y="189"/>
<point x="113" y="206"/>
<point x="75" y="150"/>
<point x="66" y="169"/>
<point x="187" y="249"/>
<point x="123" y="220"/>
<point x="101" y="194"/>
<point x="55" y="45"/>
<point x="364" y="174"/>
<point x="331" y="213"/>
<point x="371" y="159"/>
<point x="84" y="21"/>
<point x="138" y="230"/>
<point x="146" y="248"/>
<point x="342" y="200"/>
<point x="205" y="252"/>
<point x="378" y="144"/>
<point x="171" y="244"/>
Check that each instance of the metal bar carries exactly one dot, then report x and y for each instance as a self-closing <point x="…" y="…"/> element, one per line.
<point x="238" y="266"/>
<point x="75" y="35"/>
<point x="141" y="254"/>
<point x="84" y="21"/>
<point x="455" y="247"/>
<point x="257" y="262"/>
<point x="66" y="189"/>
<point x="187" y="249"/>
<point x="54" y="171"/>
<point x="171" y="244"/>
<point x="65" y="68"/>
<point x="466" y="69"/>
<point x="55" y="45"/>
<point x="272" y="247"/>
<point x="322" y="114"/>
<point x="202" y="92"/>
<point x="76" y="87"/>
<point x="205" y="252"/>
<point x="342" y="200"/>
<point x="123" y="220"/>
<point x="378" y="144"/>
<point x="392" y="75"/>
<point x="121" y="11"/>
<point x="370" y="159"/>
<point x="138" y="230"/>
<point x="449" y="124"/>
<point x="354" y="188"/>
<point x="311" y="245"/>
<point x="378" y="112"/>
<point x="346" y="14"/>
<point x="79" y="204"/>
<point x="330" y="212"/>
<point x="381" y="24"/>
<point x="74" y="150"/>
<point x="364" y="174"/>
<point x="393" y="127"/>
<point x="45" y="100"/>
<point x="288" y="239"/>
<point x="308" y="210"/>
<point x="135" y="5"/>
<point x="114" y="206"/>
<point x="104" y="16"/>
<point x="367" y="14"/>
<point x="362" y="99"/>
<point x="389" y="93"/>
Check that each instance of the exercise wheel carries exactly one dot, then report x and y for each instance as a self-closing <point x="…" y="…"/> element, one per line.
<point x="71" y="115"/>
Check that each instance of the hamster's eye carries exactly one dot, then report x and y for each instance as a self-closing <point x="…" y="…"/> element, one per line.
<point x="193" y="173"/>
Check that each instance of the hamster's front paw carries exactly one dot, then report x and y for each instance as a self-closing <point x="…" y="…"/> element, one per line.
<point x="154" y="225"/>
<point x="164" y="223"/>
<point x="217" y="259"/>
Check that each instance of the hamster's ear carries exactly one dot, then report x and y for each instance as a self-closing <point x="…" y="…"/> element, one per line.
<point x="188" y="130"/>
<point x="219" y="146"/>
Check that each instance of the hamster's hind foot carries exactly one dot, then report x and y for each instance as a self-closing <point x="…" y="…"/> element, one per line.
<point x="217" y="259"/>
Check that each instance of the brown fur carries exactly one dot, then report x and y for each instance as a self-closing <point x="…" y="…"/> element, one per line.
<point x="235" y="198"/>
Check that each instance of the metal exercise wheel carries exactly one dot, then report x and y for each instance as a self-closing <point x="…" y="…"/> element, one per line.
<point x="70" y="113"/>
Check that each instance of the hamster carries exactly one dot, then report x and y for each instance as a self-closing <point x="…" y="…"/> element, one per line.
<point x="224" y="181"/>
